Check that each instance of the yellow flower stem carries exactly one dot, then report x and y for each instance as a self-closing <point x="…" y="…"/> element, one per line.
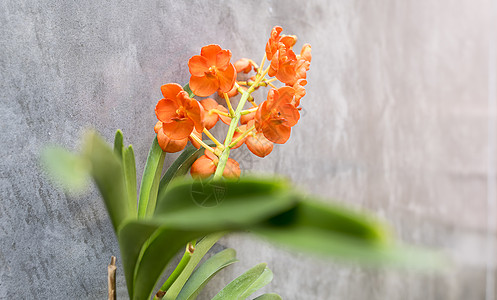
<point x="209" y="135"/>
<point x="262" y="65"/>
<point x="272" y="85"/>
<point x="248" y="111"/>
<point x="220" y="112"/>
<point x="230" y="108"/>
<point x="242" y="82"/>
<point x="196" y="138"/>
<point x="223" y="158"/>
<point x="270" y="80"/>
<point x="241" y="137"/>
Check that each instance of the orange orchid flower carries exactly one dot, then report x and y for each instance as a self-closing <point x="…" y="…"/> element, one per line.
<point x="206" y="165"/>
<point x="211" y="71"/>
<point x="273" y="45"/>
<point x="167" y="144"/>
<point x="243" y="65"/>
<point x="275" y="116"/>
<point x="257" y="143"/>
<point x="179" y="113"/>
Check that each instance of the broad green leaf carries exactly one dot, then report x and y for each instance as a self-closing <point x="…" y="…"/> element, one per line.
<point x="264" y="279"/>
<point x="223" y="204"/>
<point x="71" y="171"/>
<point x="341" y="233"/>
<point x="187" y="89"/>
<point x="200" y="250"/>
<point x="150" y="180"/>
<point x="270" y="208"/>
<point x="269" y="297"/>
<point x="206" y="272"/>
<point x="181" y="166"/>
<point x="118" y="143"/>
<point x="241" y="285"/>
<point x="107" y="172"/>
<point x="129" y="168"/>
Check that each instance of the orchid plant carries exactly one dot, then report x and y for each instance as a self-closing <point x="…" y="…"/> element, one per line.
<point x="171" y="211"/>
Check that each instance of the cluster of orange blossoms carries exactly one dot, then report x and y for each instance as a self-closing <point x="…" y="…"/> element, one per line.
<point x="182" y="118"/>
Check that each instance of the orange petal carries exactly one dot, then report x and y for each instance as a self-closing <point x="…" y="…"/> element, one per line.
<point x="166" y="110"/>
<point x="287" y="73"/>
<point x="158" y="126"/>
<point x="198" y="65"/>
<point x="226" y="120"/>
<point x="276" y="133"/>
<point x="204" y="86"/>
<point x="162" y="139"/>
<point x="305" y="53"/>
<point x="223" y="58"/>
<point x="211" y="155"/>
<point x="227" y="78"/>
<point x="195" y="112"/>
<point x="286" y="94"/>
<point x="244" y="119"/>
<point x="170" y="90"/>
<point x="259" y="144"/>
<point x="241" y="129"/>
<point x="193" y="141"/>
<point x="210" y="118"/>
<point x="210" y="53"/>
<point x="243" y="65"/>
<point x="203" y="167"/>
<point x="290" y="113"/>
<point x="232" y="169"/>
<point x="178" y="129"/>
<point x="288" y="40"/>
<point x="176" y="145"/>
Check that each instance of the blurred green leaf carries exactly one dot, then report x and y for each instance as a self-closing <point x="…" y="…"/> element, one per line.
<point x="200" y="250"/>
<point x="107" y="171"/>
<point x="69" y="170"/>
<point x="268" y="297"/>
<point x="223" y="204"/>
<point x="118" y="143"/>
<point x="241" y="286"/>
<point x="150" y="180"/>
<point x="129" y="167"/>
<point x="206" y="272"/>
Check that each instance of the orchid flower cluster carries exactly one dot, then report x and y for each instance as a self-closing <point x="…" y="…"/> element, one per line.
<point x="181" y="117"/>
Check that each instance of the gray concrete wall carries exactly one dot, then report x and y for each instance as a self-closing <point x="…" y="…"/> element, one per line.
<point x="398" y="119"/>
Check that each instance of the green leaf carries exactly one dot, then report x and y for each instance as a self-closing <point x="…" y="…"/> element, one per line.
<point x="187" y="89"/>
<point x="118" y="143"/>
<point x="238" y="288"/>
<point x="69" y="170"/>
<point x="129" y="168"/>
<point x="150" y="180"/>
<point x="223" y="204"/>
<point x="200" y="250"/>
<point x="268" y="297"/>
<point x="270" y="208"/>
<point x="107" y="172"/>
<point x="206" y="272"/>
<point x="334" y="231"/>
<point x="181" y="166"/>
<point x="265" y="278"/>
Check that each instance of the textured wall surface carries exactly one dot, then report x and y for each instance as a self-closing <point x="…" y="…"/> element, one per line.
<point x="399" y="118"/>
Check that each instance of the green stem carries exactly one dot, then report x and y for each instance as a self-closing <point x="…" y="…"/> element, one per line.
<point x="177" y="271"/>
<point x="223" y="159"/>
